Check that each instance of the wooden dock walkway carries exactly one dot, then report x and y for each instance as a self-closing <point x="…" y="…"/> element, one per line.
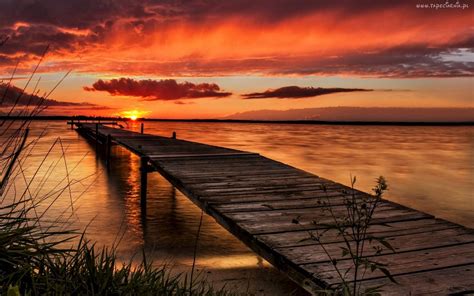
<point x="257" y="200"/>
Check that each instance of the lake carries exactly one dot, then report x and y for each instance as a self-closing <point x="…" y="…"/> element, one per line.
<point x="428" y="168"/>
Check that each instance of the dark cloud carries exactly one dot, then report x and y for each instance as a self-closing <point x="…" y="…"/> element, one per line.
<point x="87" y="13"/>
<point x="273" y="11"/>
<point x="296" y="92"/>
<point x="35" y="39"/>
<point x="165" y="90"/>
<point x="80" y="14"/>
<point x="9" y="95"/>
<point x="183" y="103"/>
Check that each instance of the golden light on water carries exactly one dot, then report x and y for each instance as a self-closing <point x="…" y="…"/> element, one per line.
<point x="233" y="261"/>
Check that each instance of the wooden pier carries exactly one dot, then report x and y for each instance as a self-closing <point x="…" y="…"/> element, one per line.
<point x="257" y="199"/>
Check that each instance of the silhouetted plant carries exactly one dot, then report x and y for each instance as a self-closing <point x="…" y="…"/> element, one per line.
<point x="351" y="225"/>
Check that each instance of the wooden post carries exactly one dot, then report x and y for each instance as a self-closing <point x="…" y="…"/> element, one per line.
<point x="143" y="180"/>
<point x="108" y="148"/>
<point x="141" y="128"/>
<point x="173" y="136"/>
<point x="96" y="137"/>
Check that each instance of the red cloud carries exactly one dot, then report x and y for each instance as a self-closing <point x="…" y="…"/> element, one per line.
<point x="164" y="90"/>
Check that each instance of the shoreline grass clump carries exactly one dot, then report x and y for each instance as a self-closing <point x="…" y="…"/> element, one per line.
<point x="35" y="261"/>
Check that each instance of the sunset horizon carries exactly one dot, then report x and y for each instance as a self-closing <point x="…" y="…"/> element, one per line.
<point x="214" y="60"/>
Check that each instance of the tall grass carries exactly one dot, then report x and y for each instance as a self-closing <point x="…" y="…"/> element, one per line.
<point x="34" y="255"/>
<point x="88" y="270"/>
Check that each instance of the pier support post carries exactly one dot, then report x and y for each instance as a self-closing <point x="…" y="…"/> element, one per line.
<point x="141" y="127"/>
<point x="143" y="180"/>
<point x="108" y="148"/>
<point x="96" y="137"/>
<point x="173" y="136"/>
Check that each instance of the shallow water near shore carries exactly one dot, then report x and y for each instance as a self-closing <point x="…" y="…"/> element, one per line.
<point x="428" y="168"/>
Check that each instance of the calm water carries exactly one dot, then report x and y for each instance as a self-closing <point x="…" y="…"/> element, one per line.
<point x="428" y="168"/>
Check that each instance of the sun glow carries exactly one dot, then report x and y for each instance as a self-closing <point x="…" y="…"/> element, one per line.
<point x="133" y="114"/>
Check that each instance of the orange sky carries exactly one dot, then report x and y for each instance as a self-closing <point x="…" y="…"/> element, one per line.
<point x="406" y="56"/>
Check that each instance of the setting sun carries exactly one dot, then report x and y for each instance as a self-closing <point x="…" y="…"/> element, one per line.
<point x="133" y="114"/>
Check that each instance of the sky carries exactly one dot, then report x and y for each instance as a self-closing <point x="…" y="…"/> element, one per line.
<point x="212" y="59"/>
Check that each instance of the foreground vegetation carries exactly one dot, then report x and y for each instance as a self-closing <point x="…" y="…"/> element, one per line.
<point x="30" y="266"/>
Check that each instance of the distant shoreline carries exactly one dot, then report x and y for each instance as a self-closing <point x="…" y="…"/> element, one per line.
<point x="315" y="122"/>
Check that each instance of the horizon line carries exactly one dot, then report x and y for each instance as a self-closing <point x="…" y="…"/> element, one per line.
<point x="217" y="120"/>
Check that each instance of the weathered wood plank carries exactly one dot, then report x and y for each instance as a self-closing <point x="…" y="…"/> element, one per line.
<point x="410" y="242"/>
<point x="314" y="202"/>
<point x="447" y="281"/>
<point x="229" y="172"/>
<point x="265" y="197"/>
<point x="384" y="210"/>
<point x="302" y="237"/>
<point x="287" y="225"/>
<point x="223" y="179"/>
<point x="399" y="263"/>
<point x="260" y="183"/>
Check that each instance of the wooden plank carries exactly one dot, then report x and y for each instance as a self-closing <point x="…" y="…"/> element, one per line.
<point x="265" y="197"/>
<point x="267" y="227"/>
<point x="399" y="263"/>
<point x="410" y="242"/>
<point x="224" y="179"/>
<point x="313" y="207"/>
<point x="255" y="189"/>
<point x="237" y="170"/>
<point x="229" y="173"/>
<point x="447" y="281"/>
<point x="314" y="202"/>
<point x="223" y="159"/>
<point x="259" y="183"/>
<point x="224" y="162"/>
<point x="220" y="162"/>
<point x="384" y="209"/>
<point x="205" y="155"/>
<point x="302" y="237"/>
